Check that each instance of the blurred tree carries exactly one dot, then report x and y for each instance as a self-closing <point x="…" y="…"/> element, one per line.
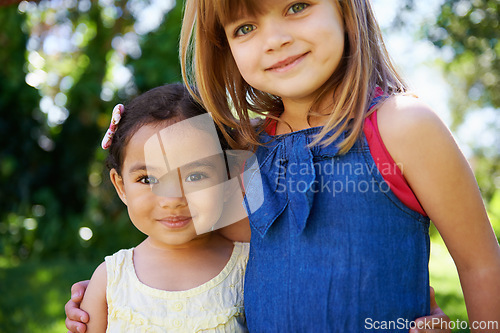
<point x="21" y="154"/>
<point x="159" y="63"/>
<point x="67" y="67"/>
<point x="468" y="33"/>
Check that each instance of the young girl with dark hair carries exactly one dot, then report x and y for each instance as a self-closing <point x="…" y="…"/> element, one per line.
<point x="167" y="165"/>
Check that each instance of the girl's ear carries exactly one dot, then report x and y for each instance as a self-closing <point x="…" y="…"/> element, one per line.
<point x="117" y="181"/>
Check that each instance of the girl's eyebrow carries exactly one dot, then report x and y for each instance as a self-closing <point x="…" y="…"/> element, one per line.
<point x="201" y="163"/>
<point x="141" y="167"/>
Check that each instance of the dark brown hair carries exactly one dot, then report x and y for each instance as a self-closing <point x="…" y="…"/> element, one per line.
<point x="169" y="103"/>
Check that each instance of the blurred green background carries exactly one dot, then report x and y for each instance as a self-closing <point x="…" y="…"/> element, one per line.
<point x="66" y="63"/>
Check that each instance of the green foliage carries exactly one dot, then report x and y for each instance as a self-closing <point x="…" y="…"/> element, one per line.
<point x="471" y="31"/>
<point x="21" y="158"/>
<point x="159" y="63"/>
<point x="54" y="114"/>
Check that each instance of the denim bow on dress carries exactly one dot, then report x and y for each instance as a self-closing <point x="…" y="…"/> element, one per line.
<point x="288" y="179"/>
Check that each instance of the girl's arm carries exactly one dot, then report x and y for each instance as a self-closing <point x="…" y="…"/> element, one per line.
<point x="443" y="182"/>
<point x="94" y="301"/>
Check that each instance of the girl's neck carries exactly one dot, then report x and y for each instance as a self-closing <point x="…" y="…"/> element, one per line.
<point x="182" y="267"/>
<point x="295" y="114"/>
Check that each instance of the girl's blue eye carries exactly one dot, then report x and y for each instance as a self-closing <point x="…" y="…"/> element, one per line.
<point x="244" y="29"/>
<point x="149" y="180"/>
<point x="296" y="8"/>
<point x="195" y="177"/>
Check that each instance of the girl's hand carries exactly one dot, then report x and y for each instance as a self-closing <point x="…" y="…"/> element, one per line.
<point x="76" y="318"/>
<point x="436" y="322"/>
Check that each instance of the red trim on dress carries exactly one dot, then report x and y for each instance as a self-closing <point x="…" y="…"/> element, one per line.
<point x="387" y="166"/>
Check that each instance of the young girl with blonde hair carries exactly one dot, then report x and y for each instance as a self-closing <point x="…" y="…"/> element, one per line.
<point x="353" y="167"/>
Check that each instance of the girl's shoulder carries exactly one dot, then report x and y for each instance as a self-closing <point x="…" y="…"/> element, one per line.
<point x="100" y="274"/>
<point x="405" y="109"/>
<point x="405" y="120"/>
<point x="117" y="264"/>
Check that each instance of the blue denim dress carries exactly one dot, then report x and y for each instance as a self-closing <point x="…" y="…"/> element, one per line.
<point x="332" y="248"/>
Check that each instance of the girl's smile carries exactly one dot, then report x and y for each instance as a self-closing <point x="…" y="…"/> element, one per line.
<point x="287" y="64"/>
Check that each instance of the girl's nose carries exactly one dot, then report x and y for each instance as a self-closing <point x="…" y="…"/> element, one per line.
<point x="169" y="190"/>
<point x="276" y="36"/>
<point x="172" y="202"/>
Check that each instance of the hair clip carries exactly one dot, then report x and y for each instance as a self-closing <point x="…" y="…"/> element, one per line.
<point x="115" y="119"/>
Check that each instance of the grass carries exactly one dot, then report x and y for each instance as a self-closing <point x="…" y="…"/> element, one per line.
<point x="33" y="294"/>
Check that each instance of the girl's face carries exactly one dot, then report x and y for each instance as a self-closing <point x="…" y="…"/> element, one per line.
<point x="289" y="50"/>
<point x="172" y="182"/>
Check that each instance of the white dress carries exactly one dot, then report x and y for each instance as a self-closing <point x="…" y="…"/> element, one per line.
<point x="215" y="306"/>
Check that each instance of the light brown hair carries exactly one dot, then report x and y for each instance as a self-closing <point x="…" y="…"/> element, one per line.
<point x="207" y="62"/>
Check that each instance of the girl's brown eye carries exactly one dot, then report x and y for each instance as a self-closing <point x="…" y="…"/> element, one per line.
<point x="150" y="180"/>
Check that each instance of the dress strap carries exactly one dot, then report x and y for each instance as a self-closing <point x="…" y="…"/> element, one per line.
<point x="387" y="167"/>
